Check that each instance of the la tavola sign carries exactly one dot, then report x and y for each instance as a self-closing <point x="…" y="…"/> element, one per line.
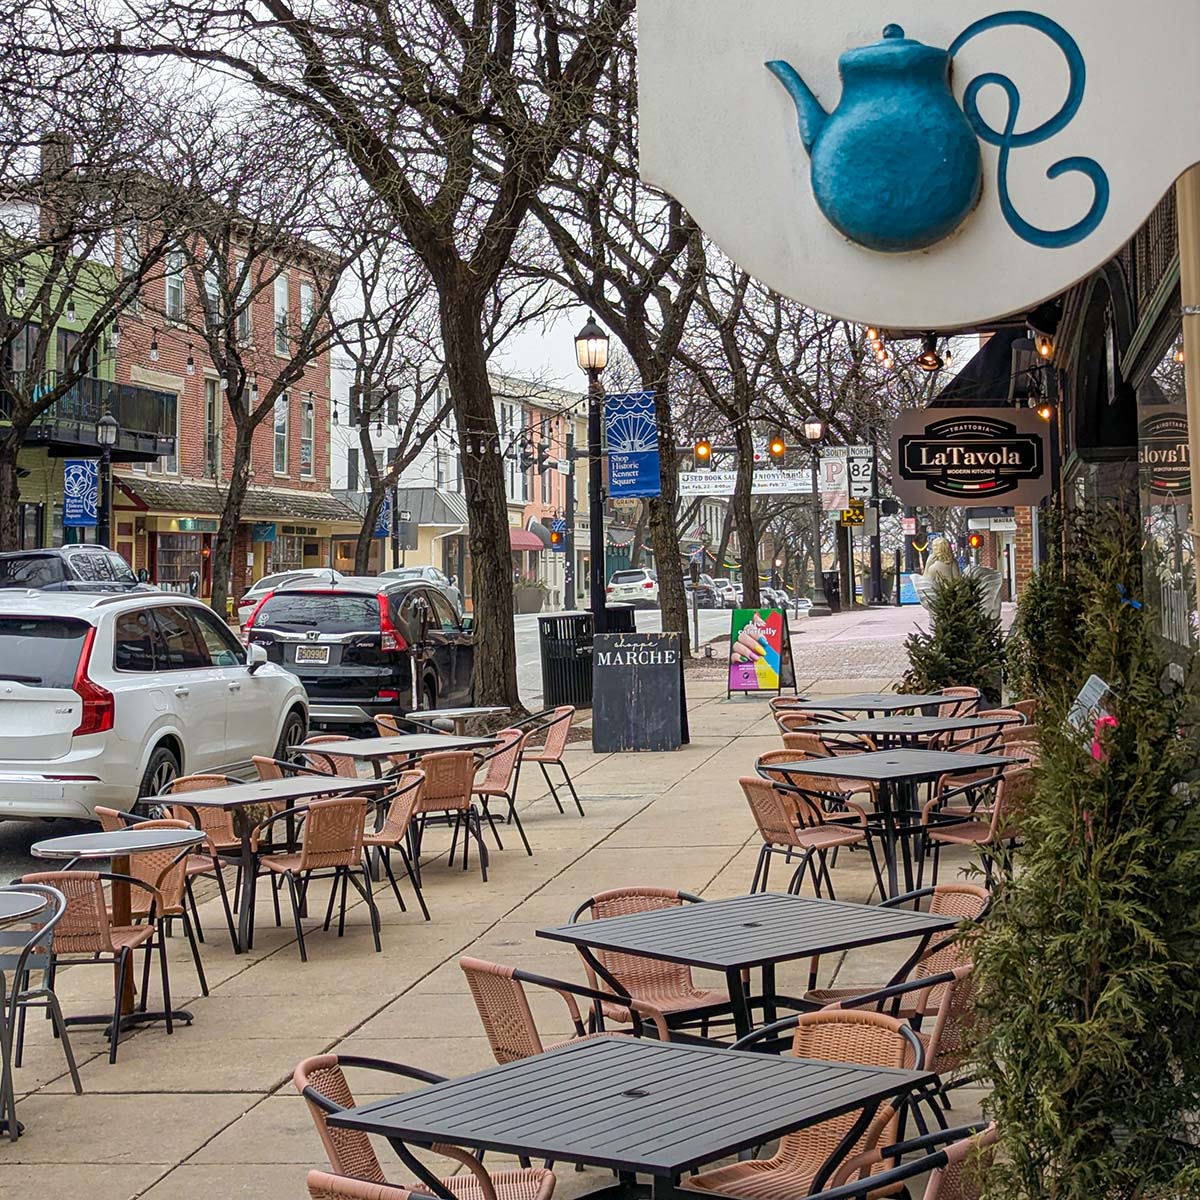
<point x="919" y="164"/>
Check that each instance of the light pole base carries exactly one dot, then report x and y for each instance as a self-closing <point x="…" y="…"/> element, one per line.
<point x="820" y="610"/>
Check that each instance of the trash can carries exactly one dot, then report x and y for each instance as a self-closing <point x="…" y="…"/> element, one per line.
<point x="566" y="642"/>
<point x="833" y="590"/>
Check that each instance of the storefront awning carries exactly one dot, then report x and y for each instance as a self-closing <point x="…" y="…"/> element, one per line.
<point x="196" y="498"/>
<point x="522" y="539"/>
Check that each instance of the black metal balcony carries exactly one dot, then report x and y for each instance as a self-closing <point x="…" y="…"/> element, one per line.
<point x="148" y="419"/>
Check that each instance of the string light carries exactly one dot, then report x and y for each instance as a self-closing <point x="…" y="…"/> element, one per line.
<point x="71" y="313"/>
<point x="116" y="335"/>
<point x="929" y="359"/>
<point x="191" y="362"/>
<point x="154" y="346"/>
<point x="873" y="334"/>
<point x="20" y="287"/>
<point x="1045" y="345"/>
<point x="1180" y="354"/>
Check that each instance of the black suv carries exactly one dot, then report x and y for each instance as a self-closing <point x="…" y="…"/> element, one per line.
<point x="83" y="568"/>
<point x="352" y="644"/>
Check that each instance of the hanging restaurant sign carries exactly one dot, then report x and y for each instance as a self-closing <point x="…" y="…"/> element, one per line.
<point x="918" y="164"/>
<point x="970" y="458"/>
<point x="1165" y="454"/>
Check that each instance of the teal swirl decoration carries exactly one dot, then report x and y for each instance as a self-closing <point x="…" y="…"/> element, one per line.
<point x="1009" y="140"/>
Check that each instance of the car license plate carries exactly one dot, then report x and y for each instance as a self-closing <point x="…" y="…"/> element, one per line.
<point x="312" y="654"/>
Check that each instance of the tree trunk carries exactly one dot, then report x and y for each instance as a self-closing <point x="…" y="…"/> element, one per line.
<point x="366" y="535"/>
<point x="231" y="516"/>
<point x="726" y="530"/>
<point x="639" y="534"/>
<point x="495" y="677"/>
<point x="10" y="489"/>
<point x="743" y="514"/>
<point x="671" y="597"/>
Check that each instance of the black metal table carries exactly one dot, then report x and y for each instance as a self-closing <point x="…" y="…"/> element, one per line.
<point x="908" y="731"/>
<point x="898" y="774"/>
<point x="744" y="932"/>
<point x="871" y="703"/>
<point x="634" y="1106"/>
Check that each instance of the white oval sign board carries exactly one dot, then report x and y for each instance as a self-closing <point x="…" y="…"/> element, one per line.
<point x="918" y="164"/>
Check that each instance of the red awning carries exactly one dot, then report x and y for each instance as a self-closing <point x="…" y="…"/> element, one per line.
<point x="522" y="539"/>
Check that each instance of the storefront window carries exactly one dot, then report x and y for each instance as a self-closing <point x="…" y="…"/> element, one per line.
<point x="288" y="553"/>
<point x="281" y="434"/>
<point x="178" y="556"/>
<point x="306" y="437"/>
<point x="1167" y="502"/>
<point x="213" y="417"/>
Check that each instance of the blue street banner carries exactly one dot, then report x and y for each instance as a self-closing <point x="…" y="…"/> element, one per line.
<point x="383" y="522"/>
<point x="632" y="433"/>
<point x="81" y="492"/>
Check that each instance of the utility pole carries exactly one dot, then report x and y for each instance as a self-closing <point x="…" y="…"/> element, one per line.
<point x="569" y="531"/>
<point x="876" y="544"/>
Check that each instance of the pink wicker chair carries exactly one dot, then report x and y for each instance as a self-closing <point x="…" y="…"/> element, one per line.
<point x="868" y="1038"/>
<point x="794" y="824"/>
<point x="960" y="701"/>
<point x="322" y="1082"/>
<point x="1028" y="707"/>
<point x="396" y="830"/>
<point x="512" y="1033"/>
<point x="318" y="753"/>
<point x="501" y="777"/>
<point x="660" y="988"/>
<point x="332" y="841"/>
<point x="557" y="730"/>
<point x="449" y="780"/>
<point x="506" y="1185"/>
<point x="86" y="934"/>
<point x="794" y="722"/>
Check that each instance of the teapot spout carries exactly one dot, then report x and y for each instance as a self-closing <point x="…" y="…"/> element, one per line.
<point x="808" y="107"/>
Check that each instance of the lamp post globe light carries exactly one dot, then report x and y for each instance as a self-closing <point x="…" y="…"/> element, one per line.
<point x="814" y="431"/>
<point x="591" y="352"/>
<point x="107" y="433"/>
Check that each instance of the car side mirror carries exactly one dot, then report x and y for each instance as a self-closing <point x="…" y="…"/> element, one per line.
<point x="256" y="656"/>
<point x="468" y="623"/>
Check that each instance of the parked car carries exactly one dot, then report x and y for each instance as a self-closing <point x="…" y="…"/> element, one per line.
<point x="82" y="568"/>
<point x="738" y="594"/>
<point x="107" y="698"/>
<point x="636" y="586"/>
<point x="352" y="644"/>
<point x="259" y="590"/>
<point x="803" y="605"/>
<point x="429" y="575"/>
<point x="726" y="596"/>
<point x="706" y="593"/>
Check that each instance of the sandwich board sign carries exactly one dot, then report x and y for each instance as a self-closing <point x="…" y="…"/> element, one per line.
<point x="919" y="164"/>
<point x="760" y="652"/>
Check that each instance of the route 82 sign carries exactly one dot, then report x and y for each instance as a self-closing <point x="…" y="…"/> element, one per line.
<point x="861" y="470"/>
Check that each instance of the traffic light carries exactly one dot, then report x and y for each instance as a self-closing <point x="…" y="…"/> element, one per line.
<point x="527" y="458"/>
<point x="777" y="447"/>
<point x="556" y="538"/>
<point x="543" y="457"/>
<point x="975" y="541"/>
<point x="703" y="452"/>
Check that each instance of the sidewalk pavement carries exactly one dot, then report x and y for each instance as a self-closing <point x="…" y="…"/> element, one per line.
<point x="211" y="1111"/>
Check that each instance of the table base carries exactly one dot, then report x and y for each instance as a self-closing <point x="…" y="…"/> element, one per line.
<point x="128" y="1020"/>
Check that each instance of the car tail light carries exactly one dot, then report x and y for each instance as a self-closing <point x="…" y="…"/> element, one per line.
<point x="99" y="708"/>
<point x="257" y="609"/>
<point x="389" y="636"/>
<point x="387" y="696"/>
<point x="648" y="585"/>
<point x="609" y="590"/>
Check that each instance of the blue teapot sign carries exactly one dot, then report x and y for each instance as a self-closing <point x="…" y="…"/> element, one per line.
<point x="918" y="163"/>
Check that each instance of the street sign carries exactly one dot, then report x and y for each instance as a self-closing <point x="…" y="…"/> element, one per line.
<point x="908" y="526"/>
<point x="564" y="467"/>
<point x="631" y="428"/>
<point x="856" y="514"/>
<point x="767" y="482"/>
<point x="861" y="472"/>
<point x="405" y="515"/>
<point x="835" y="478"/>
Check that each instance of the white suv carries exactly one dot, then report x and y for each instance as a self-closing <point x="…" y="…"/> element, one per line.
<point x="638" y="587"/>
<point x="105" y="699"/>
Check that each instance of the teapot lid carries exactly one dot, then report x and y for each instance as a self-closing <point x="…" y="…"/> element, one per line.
<point x="895" y="52"/>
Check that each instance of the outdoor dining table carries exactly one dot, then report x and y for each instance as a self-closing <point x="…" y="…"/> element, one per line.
<point x="458" y="716"/>
<point x="119" y="845"/>
<point x="634" y="1106"/>
<point x="746" y="932"/>
<point x="289" y="790"/>
<point x="871" y="703"/>
<point x="909" y="731"/>
<point x="378" y="750"/>
<point x="15" y="907"/>
<point x="898" y="774"/>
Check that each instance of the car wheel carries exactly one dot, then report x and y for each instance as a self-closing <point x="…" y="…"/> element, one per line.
<point x="162" y="769"/>
<point x="429" y="696"/>
<point x="293" y="734"/>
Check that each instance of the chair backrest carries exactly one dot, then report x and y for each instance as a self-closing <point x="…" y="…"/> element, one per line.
<point x="110" y="820"/>
<point x="792" y="722"/>
<point x="966" y="1166"/>
<point x="333" y="833"/>
<point x="557" y="733"/>
<point x="25" y="946"/>
<point x="502" y="762"/>
<point x="1012" y="734"/>
<point x="640" y="977"/>
<point x="1028" y="707"/>
<point x="774" y="811"/>
<point x="405" y="802"/>
<point x="1003" y="717"/>
<point x="503" y="1009"/>
<point x="216" y="822"/>
<point x="348" y="1151"/>
<point x="950" y="1038"/>
<point x="329" y="759"/>
<point x="1012" y="794"/>
<point x="83" y="927"/>
<point x="387" y="726"/>
<point x="323" y="1186"/>
<point x="164" y="870"/>
<point x="964" y="902"/>
<point x="267" y="768"/>
<point x="449" y="777"/>
<point x="843" y="743"/>
<point x="768" y="762"/>
<point x="806" y="744"/>
<point x="959" y="701"/>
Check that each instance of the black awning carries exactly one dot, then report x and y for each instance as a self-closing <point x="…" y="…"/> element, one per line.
<point x="986" y="381"/>
<point x="539" y="531"/>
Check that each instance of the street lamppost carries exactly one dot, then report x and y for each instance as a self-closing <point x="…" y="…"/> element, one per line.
<point x="591" y="352"/>
<point x="814" y="431"/>
<point x="107" y="432"/>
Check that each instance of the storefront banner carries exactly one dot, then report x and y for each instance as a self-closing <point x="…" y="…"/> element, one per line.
<point x="1165" y="454"/>
<point x="767" y="482"/>
<point x="263" y="531"/>
<point x="383" y="521"/>
<point x="920" y="164"/>
<point x="970" y="457"/>
<point x="631" y="432"/>
<point x="760" y="651"/>
<point x="81" y="493"/>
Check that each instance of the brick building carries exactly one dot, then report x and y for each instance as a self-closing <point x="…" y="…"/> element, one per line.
<point x="166" y="512"/>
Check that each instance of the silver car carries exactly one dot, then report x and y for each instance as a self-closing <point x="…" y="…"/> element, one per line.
<point x="430" y="575"/>
<point x="637" y="586"/>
